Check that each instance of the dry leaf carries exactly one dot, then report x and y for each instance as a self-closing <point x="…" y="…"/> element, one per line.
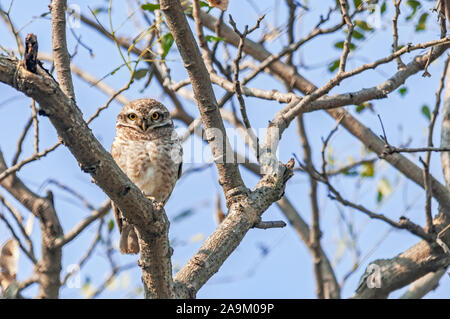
<point x="221" y="4"/>
<point x="9" y="256"/>
<point x="219" y="215"/>
<point x="29" y="224"/>
<point x="196" y="238"/>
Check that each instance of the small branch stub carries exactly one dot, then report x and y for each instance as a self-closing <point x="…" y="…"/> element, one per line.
<point x="270" y="224"/>
<point x="31" y="52"/>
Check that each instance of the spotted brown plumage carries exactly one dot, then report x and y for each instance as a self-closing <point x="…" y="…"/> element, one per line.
<point x="147" y="148"/>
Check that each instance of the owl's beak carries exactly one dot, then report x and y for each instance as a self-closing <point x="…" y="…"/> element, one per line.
<point x="144" y="126"/>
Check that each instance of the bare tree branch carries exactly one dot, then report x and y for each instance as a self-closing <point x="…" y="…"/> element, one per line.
<point x="424" y="285"/>
<point x="73" y="130"/>
<point x="229" y="176"/>
<point x="48" y="267"/>
<point x="60" y="53"/>
<point x="386" y="275"/>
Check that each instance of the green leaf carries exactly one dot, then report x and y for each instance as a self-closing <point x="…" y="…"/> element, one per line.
<point x="204" y="4"/>
<point x="350" y="173"/>
<point x="115" y="70"/>
<point x="383" y="8"/>
<point x="357" y="3"/>
<point x="414" y="4"/>
<point x="360" y="108"/>
<point x="363" y="25"/>
<point x="211" y="38"/>
<point x="426" y="112"/>
<point x="150" y="7"/>
<point x="110" y="225"/>
<point x="183" y="215"/>
<point x="166" y="43"/>
<point x="422" y="24"/>
<point x="384" y="189"/>
<point x="340" y="45"/>
<point x="333" y="66"/>
<point x="99" y="10"/>
<point x="402" y="91"/>
<point x="363" y="106"/>
<point x="379" y="197"/>
<point x="139" y="74"/>
<point x="368" y="170"/>
<point x="357" y="35"/>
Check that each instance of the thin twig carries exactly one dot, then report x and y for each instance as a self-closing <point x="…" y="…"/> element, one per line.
<point x="34" y="116"/>
<point x="291" y="38"/>
<point x="201" y="37"/>
<point x="27" y="252"/>
<point x="348" y="39"/>
<point x="34" y="157"/>
<point x="82" y="225"/>
<point x="217" y="31"/>
<point x="112" y="98"/>
<point x="237" y="84"/>
<point x="71" y="191"/>
<point x="20" y="141"/>
<point x="403" y="223"/>
<point x="348" y="167"/>
<point x="115" y="271"/>
<point x="19" y="221"/>
<point x="325" y="144"/>
<point x="426" y="164"/>
<point x="7" y="19"/>
<point x="400" y="64"/>
<point x="87" y="255"/>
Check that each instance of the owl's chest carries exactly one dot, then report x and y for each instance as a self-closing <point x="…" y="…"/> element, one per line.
<point x="151" y="166"/>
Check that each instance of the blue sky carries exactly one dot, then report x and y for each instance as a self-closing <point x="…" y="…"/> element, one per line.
<point x="269" y="263"/>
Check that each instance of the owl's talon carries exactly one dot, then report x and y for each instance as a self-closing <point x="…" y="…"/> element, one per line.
<point x="159" y="205"/>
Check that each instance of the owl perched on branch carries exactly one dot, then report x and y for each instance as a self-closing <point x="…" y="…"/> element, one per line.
<point x="147" y="148"/>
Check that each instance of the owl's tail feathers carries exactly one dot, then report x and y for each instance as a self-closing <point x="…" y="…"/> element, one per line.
<point x="129" y="240"/>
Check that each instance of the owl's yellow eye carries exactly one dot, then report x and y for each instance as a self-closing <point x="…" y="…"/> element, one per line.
<point x="132" y="116"/>
<point x="155" y="116"/>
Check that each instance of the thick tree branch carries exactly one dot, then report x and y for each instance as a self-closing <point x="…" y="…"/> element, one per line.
<point x="229" y="175"/>
<point x="245" y="207"/>
<point x="241" y="216"/>
<point x="332" y="289"/>
<point x="48" y="267"/>
<point x="356" y="128"/>
<point x="386" y="275"/>
<point x="424" y="285"/>
<point x="95" y="160"/>
<point x="60" y="53"/>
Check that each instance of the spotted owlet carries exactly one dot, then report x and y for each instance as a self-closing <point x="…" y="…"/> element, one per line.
<point x="147" y="148"/>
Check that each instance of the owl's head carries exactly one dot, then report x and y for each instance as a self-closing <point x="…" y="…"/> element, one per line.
<point x="144" y="116"/>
